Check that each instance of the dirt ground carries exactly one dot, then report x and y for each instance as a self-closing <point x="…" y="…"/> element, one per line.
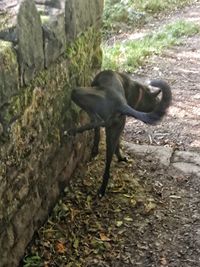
<point x="150" y="216"/>
<point x="180" y="66"/>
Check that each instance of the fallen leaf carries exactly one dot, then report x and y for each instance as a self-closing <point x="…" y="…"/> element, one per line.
<point x="76" y="243"/>
<point x="163" y="262"/>
<point x="60" y="247"/>
<point x="119" y="223"/>
<point x="103" y="237"/>
<point x="128" y="219"/>
<point x="174" y="197"/>
<point x="149" y="207"/>
<point x="74" y="212"/>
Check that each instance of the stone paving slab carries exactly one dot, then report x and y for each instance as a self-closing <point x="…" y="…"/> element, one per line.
<point x="163" y="154"/>
<point x="187" y="162"/>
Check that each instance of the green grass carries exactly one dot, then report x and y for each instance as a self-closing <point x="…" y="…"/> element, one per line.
<point x="131" y="54"/>
<point x="155" y="6"/>
<point x="126" y="14"/>
<point x="33" y="261"/>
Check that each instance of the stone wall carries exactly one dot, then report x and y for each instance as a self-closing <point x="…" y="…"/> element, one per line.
<point x="46" y="48"/>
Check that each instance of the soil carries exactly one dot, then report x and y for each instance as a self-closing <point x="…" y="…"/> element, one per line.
<point x="180" y="67"/>
<point x="150" y="216"/>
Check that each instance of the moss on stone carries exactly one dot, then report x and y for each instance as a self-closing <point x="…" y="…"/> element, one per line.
<point x="44" y="18"/>
<point x="5" y="21"/>
<point x="7" y="55"/>
<point x="85" y="55"/>
<point x="45" y="110"/>
<point x="36" y="158"/>
<point x="44" y="107"/>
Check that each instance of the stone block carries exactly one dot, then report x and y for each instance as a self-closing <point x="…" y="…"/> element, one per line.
<point x="70" y="20"/>
<point x="163" y="154"/>
<point x="96" y="10"/>
<point x="9" y="82"/>
<point x="18" y="249"/>
<point x="187" y="162"/>
<point x="30" y="41"/>
<point x="13" y="192"/>
<point x="7" y="240"/>
<point x="8" y="73"/>
<point x="26" y="213"/>
<point x="80" y="15"/>
<point x="54" y="37"/>
<point x="187" y="156"/>
<point x="53" y="24"/>
<point x="21" y="25"/>
<point x="187" y="168"/>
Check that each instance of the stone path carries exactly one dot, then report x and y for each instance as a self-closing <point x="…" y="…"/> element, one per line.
<point x="188" y="162"/>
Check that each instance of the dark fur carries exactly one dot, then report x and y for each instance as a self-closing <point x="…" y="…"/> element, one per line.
<point x="110" y="98"/>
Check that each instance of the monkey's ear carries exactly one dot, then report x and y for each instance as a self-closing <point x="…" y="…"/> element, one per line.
<point x="156" y="93"/>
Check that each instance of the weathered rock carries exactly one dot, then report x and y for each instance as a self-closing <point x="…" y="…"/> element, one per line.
<point x="70" y="20"/>
<point x="8" y="235"/>
<point x="163" y="154"/>
<point x="76" y="20"/>
<point x="21" y="24"/>
<point x="8" y="73"/>
<point x="54" y="37"/>
<point x="187" y="161"/>
<point x="9" y="34"/>
<point x="187" y="168"/>
<point x="187" y="156"/>
<point x="30" y="41"/>
<point x="96" y="8"/>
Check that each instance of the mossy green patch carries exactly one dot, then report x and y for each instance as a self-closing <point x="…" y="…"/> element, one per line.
<point x="5" y="21"/>
<point x="85" y="55"/>
<point x="44" y="108"/>
<point x="8" y="56"/>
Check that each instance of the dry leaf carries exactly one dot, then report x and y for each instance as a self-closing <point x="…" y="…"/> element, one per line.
<point x="103" y="237"/>
<point x="76" y="243"/>
<point x="60" y="247"/>
<point x="119" y="223"/>
<point x="163" y="262"/>
<point x="74" y="212"/>
<point x="149" y="207"/>
<point x="128" y="219"/>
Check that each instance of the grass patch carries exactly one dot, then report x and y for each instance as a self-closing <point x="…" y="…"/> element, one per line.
<point x="156" y="6"/>
<point x="131" y="54"/>
<point x="120" y="14"/>
<point x="126" y="14"/>
<point x="33" y="261"/>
